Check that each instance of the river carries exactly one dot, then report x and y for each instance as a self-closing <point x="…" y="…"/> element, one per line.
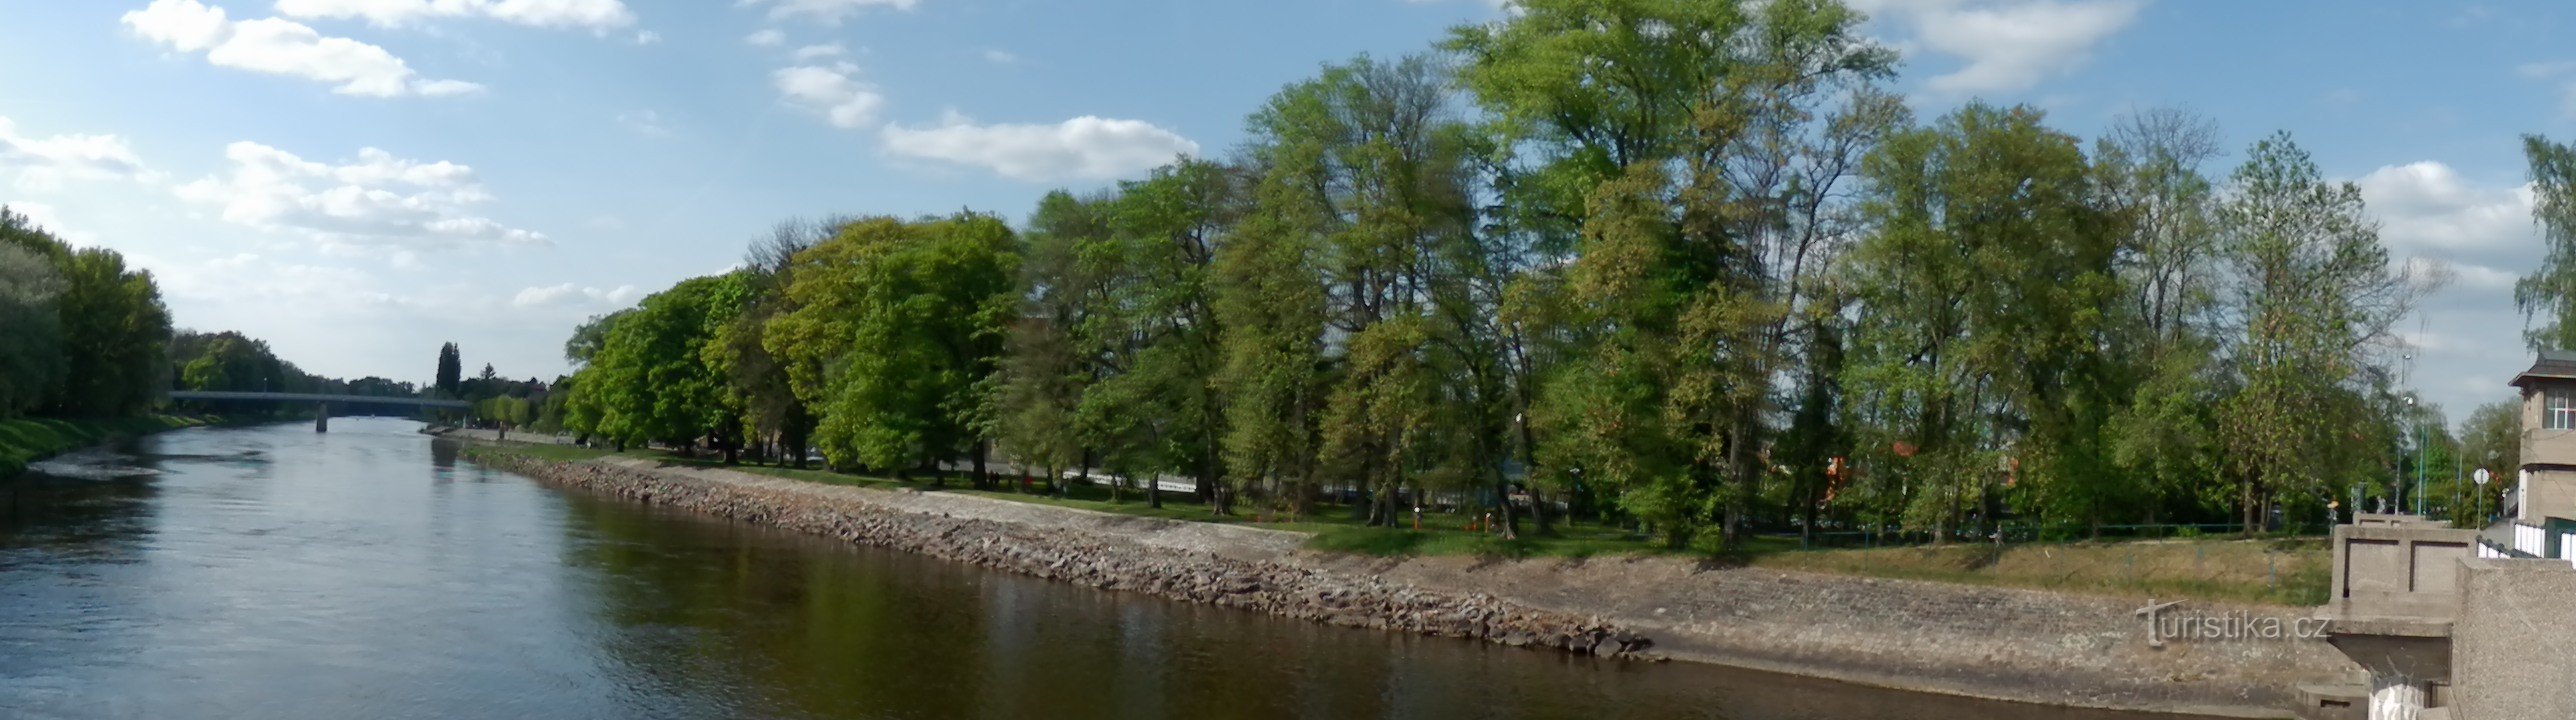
<point x="273" y="572"/>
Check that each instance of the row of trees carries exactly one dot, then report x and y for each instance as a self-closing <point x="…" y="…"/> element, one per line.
<point x="1685" y="263"/>
<point x="81" y="334"/>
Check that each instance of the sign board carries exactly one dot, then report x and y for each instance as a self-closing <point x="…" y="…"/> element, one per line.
<point x="2481" y="476"/>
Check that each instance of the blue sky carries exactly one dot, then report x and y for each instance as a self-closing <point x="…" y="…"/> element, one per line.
<point x="359" y="180"/>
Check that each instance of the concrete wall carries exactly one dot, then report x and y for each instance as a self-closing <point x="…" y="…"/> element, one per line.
<point x="2514" y="645"/>
<point x="2552" y="494"/>
<point x="2388" y="570"/>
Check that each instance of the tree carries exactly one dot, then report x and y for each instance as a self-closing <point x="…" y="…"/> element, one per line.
<point x="115" y="333"/>
<point x="2491" y="440"/>
<point x="451" y="370"/>
<point x="896" y="328"/>
<point x="1985" y="298"/>
<point x="31" y="353"/>
<point x="648" y="379"/>
<point x="1748" y="115"/>
<point x="2315" y="296"/>
<point x="2162" y="434"/>
<point x="2547" y="296"/>
<point x="1053" y="354"/>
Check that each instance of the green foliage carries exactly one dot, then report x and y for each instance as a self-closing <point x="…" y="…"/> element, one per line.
<point x="2547" y="296"/>
<point x="896" y="326"/>
<point x="31" y="352"/>
<point x="2314" y="290"/>
<point x="648" y="380"/>
<point x="451" y="370"/>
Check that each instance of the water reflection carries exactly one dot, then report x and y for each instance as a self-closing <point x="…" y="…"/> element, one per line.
<point x="369" y="572"/>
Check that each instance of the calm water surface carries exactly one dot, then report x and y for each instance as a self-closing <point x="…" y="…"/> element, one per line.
<point x="368" y="573"/>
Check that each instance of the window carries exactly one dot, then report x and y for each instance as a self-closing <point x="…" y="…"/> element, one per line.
<point x="2559" y="410"/>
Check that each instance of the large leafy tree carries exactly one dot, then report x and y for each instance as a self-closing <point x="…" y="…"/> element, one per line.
<point x="1052" y="352"/>
<point x="31" y="352"/>
<point x="1738" y="121"/>
<point x="649" y="382"/>
<point x="1985" y="301"/>
<point x="897" y="326"/>
<point x="2315" y="295"/>
<point x="2547" y="296"/>
<point x="2151" y="178"/>
<point x="115" y="331"/>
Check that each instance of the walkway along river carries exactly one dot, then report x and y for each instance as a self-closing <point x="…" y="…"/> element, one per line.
<point x="273" y="572"/>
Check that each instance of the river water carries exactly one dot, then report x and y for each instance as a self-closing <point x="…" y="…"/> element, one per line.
<point x="272" y="572"/>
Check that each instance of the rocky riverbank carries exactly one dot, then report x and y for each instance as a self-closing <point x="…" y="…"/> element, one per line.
<point x="1985" y="642"/>
<point x="1104" y="562"/>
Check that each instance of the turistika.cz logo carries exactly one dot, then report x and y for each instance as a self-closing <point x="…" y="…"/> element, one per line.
<point x="2165" y="622"/>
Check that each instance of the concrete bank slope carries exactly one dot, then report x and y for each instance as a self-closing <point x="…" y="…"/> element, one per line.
<point x="1986" y="642"/>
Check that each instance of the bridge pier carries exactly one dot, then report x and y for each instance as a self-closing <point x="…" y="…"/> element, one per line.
<point x="322" y="418"/>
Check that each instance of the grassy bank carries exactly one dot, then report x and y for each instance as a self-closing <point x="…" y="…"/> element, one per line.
<point x="27" y="440"/>
<point x="2282" y="572"/>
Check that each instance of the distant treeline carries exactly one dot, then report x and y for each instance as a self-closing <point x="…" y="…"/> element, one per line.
<point x="1687" y="263"/>
<point x="84" y="336"/>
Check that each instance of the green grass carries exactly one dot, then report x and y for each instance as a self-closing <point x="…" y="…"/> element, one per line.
<point x="27" y="440"/>
<point x="2283" y="572"/>
<point x="2279" y="572"/>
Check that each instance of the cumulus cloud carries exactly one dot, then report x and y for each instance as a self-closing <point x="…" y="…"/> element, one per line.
<point x="47" y="161"/>
<point x="377" y="199"/>
<point x="765" y="38"/>
<point x="2468" y="336"/>
<point x="1000" y="57"/>
<point x="2005" y="45"/>
<point x="812" y="53"/>
<point x="587" y="14"/>
<point x="833" y="90"/>
<point x="569" y="293"/>
<point x="284" y="47"/>
<point x="2427" y="208"/>
<point x="827" y="12"/>
<point x="1083" y="148"/>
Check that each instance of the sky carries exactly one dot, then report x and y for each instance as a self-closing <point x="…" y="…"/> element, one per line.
<point x="358" y="181"/>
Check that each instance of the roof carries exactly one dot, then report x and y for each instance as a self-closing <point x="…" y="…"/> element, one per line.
<point x="2553" y="364"/>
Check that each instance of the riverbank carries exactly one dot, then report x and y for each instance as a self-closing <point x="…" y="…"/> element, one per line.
<point x="25" y="441"/>
<point x="1986" y="642"/>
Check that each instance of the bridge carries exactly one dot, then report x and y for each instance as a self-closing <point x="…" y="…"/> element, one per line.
<point x="322" y="402"/>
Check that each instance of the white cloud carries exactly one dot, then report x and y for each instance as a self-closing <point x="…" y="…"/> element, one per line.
<point x="766" y="38"/>
<point x="377" y="199"/>
<point x="644" y="122"/>
<point x="812" y="53"/>
<point x="47" y="161"/>
<point x="647" y="37"/>
<point x="1000" y="57"/>
<point x="1083" y="148"/>
<point x="2469" y="335"/>
<point x="828" y="12"/>
<point x="2426" y="208"/>
<point x="833" y="90"/>
<point x="589" y="14"/>
<point x="567" y="293"/>
<point x="284" y="47"/>
<point x="2006" y="45"/>
<point x="45" y="217"/>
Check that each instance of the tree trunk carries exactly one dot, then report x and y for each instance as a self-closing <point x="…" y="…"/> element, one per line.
<point x="982" y="479"/>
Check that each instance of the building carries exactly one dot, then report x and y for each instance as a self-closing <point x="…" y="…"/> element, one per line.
<point x="2544" y="493"/>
